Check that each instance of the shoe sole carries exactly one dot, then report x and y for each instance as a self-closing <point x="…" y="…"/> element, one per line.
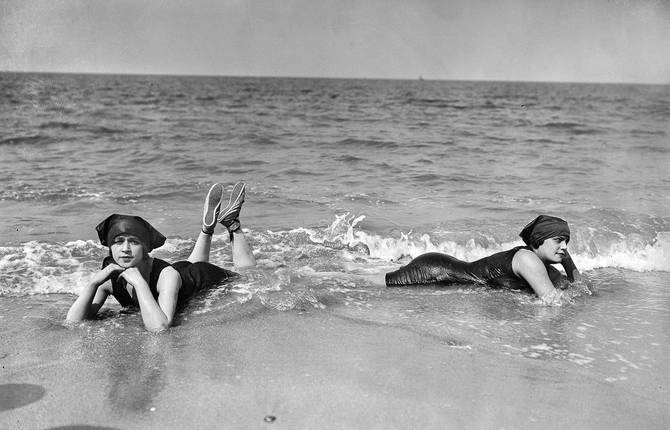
<point x="212" y="206"/>
<point x="235" y="202"/>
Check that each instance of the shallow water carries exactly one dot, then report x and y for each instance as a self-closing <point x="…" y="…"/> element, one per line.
<point x="346" y="180"/>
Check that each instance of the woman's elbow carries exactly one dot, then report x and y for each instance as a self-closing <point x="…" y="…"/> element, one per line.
<point x="159" y="328"/>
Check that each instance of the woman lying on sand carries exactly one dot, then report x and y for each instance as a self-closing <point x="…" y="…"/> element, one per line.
<point x="522" y="267"/>
<point x="156" y="286"/>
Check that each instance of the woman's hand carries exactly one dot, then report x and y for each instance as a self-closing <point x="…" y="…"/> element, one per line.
<point x="133" y="276"/>
<point x="104" y="274"/>
<point x="571" y="270"/>
<point x="157" y="315"/>
<point x="94" y="294"/>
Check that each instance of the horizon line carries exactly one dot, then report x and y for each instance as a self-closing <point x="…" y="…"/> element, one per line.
<point x="419" y="78"/>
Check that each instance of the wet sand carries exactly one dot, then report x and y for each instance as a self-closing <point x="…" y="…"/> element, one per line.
<point x="290" y="370"/>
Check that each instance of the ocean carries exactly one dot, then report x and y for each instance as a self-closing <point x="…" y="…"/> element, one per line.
<point x="346" y="180"/>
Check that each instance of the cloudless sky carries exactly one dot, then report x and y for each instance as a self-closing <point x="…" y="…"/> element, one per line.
<point x="544" y="40"/>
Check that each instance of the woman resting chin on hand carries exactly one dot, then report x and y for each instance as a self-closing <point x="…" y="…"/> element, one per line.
<point x="523" y="267"/>
<point x="135" y="278"/>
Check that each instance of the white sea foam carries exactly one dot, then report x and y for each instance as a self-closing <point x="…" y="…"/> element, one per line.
<point x="630" y="255"/>
<point x="623" y="253"/>
<point x="332" y="252"/>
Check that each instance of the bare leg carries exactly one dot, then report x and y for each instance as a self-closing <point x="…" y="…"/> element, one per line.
<point x="201" y="248"/>
<point x="229" y="218"/>
<point x="242" y="255"/>
<point x="210" y="215"/>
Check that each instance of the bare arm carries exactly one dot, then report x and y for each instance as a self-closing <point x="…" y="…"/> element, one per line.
<point x="528" y="266"/>
<point x="570" y="269"/>
<point x="156" y="315"/>
<point x="92" y="296"/>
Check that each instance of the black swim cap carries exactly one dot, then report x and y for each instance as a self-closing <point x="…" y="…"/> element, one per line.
<point x="544" y="227"/>
<point x="116" y="224"/>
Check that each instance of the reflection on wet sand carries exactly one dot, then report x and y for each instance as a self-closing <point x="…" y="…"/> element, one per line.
<point x="131" y="366"/>
<point x="16" y="395"/>
<point x="136" y="368"/>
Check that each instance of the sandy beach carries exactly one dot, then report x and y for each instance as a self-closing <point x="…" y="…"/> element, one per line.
<point x="290" y="370"/>
<point x="367" y="133"/>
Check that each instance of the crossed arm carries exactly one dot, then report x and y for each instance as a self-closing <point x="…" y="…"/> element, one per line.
<point x="157" y="315"/>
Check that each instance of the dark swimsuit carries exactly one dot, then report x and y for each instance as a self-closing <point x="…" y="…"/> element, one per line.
<point x="194" y="277"/>
<point x="441" y="269"/>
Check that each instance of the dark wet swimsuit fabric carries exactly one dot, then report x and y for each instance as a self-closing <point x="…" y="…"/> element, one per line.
<point x="439" y="269"/>
<point x="194" y="277"/>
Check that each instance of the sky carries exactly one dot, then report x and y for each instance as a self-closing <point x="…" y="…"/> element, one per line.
<point x="520" y="40"/>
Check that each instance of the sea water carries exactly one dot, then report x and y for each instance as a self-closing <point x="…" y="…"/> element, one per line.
<point x="347" y="180"/>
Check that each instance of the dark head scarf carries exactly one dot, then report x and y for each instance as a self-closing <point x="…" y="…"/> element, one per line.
<point x="544" y="227"/>
<point x="116" y="224"/>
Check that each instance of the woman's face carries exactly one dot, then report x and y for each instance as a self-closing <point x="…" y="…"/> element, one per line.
<point x="553" y="249"/>
<point x="127" y="250"/>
